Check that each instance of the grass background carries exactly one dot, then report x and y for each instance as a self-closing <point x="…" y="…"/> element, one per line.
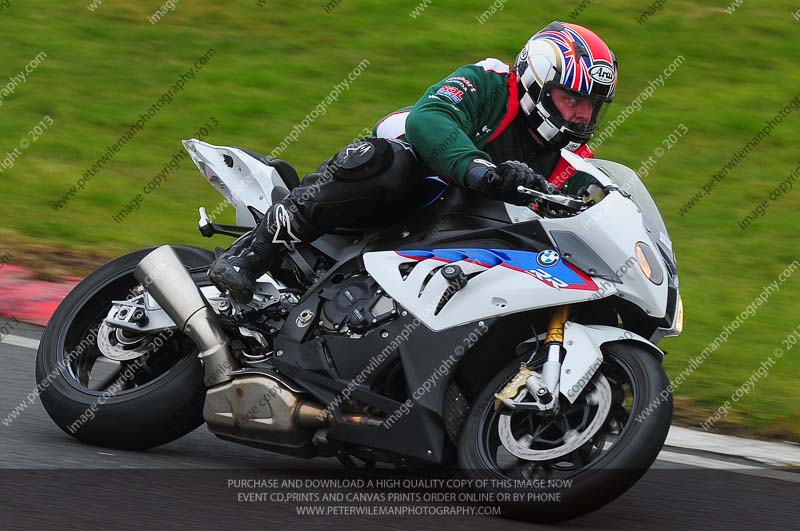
<point x="274" y="63"/>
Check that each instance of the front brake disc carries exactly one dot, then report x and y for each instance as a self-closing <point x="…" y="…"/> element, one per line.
<point x="600" y="396"/>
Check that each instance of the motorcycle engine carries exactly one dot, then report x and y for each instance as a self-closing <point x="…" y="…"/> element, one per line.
<point x="355" y="305"/>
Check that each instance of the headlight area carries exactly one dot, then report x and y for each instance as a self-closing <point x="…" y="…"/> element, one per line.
<point x="678" y="326"/>
<point x="672" y="323"/>
<point x="648" y="263"/>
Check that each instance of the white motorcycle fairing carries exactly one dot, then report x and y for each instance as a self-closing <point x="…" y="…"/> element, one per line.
<point x="613" y="228"/>
<point x="244" y="181"/>
<point x="584" y="354"/>
<point x="504" y="282"/>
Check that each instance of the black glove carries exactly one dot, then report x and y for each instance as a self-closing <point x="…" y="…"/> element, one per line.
<point x="501" y="182"/>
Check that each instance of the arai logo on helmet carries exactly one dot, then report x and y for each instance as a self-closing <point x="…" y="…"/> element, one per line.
<point x="602" y="73"/>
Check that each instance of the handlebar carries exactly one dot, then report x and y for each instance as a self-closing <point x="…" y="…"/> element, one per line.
<point x="560" y="200"/>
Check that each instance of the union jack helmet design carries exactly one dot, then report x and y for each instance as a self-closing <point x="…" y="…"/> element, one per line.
<point x="574" y="59"/>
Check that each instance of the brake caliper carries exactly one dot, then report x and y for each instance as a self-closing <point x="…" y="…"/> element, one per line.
<point x="513" y="387"/>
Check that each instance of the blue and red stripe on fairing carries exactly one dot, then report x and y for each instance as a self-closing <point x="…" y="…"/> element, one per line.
<point x="521" y="261"/>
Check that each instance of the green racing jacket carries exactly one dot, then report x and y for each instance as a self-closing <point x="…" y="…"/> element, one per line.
<point x="474" y="114"/>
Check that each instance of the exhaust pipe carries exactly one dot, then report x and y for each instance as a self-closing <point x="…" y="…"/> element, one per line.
<point x="165" y="278"/>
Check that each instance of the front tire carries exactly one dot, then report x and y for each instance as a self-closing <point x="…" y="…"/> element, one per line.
<point x="148" y="412"/>
<point x="636" y="428"/>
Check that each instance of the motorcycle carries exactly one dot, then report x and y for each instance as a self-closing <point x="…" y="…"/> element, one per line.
<point x="516" y="343"/>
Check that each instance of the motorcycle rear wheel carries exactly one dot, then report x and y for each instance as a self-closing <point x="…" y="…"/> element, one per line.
<point x="155" y="400"/>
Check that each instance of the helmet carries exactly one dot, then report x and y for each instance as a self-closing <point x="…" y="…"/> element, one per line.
<point x="571" y="58"/>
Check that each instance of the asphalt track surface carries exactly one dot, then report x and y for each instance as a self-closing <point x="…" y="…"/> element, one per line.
<point x="50" y="481"/>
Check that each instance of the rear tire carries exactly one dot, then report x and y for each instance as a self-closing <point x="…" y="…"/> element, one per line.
<point x="155" y="413"/>
<point x="611" y="473"/>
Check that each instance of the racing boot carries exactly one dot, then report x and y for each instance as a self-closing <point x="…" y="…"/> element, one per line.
<point x="252" y="255"/>
<point x="237" y="269"/>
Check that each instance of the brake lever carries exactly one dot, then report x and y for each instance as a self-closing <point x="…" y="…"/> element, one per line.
<point x="561" y="200"/>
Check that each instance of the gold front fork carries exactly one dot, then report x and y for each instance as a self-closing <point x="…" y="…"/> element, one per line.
<point x="551" y="371"/>
<point x="555" y="333"/>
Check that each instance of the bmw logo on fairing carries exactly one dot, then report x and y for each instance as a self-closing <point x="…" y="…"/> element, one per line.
<point x="547" y="258"/>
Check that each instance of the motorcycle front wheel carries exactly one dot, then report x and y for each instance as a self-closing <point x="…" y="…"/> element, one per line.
<point x="552" y="467"/>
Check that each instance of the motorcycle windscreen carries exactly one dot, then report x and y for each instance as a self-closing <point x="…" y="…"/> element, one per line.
<point x="627" y="180"/>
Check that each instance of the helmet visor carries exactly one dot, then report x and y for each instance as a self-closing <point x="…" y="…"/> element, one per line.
<point x="574" y="112"/>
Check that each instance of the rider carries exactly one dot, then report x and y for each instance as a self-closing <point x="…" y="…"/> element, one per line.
<point x="551" y="99"/>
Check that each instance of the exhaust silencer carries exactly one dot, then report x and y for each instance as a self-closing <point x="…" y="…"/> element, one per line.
<point x="165" y="278"/>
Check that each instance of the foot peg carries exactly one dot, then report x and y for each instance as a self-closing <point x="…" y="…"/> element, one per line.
<point x="209" y="229"/>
